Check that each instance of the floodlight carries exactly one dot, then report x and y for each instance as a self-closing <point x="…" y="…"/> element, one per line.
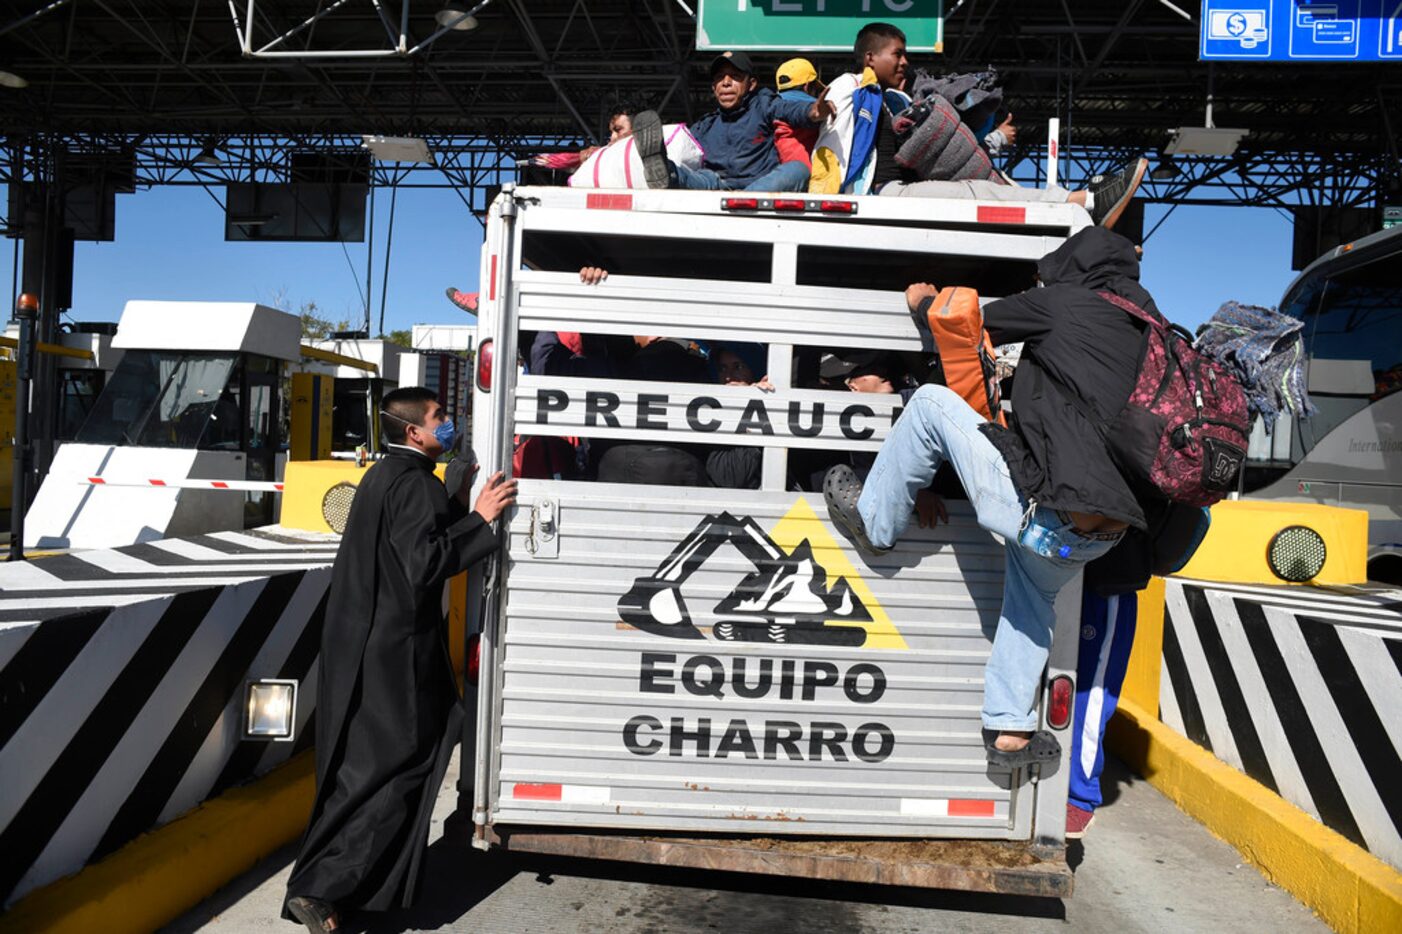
<point x="208" y="156"/>
<point x="1166" y="170"/>
<point x="1203" y="141"/>
<point x="455" y="16"/>
<point x="271" y="705"/>
<point x="11" y="80"/>
<point x="398" y="148"/>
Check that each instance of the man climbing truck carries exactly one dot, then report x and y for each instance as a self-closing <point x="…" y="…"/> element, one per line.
<point x="718" y="677"/>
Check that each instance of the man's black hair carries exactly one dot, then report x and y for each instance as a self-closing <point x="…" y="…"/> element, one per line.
<point x="873" y="37"/>
<point x="403" y="407"/>
<point x="626" y="106"/>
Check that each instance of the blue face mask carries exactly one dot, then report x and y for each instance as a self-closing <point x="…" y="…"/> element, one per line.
<point x="447" y="434"/>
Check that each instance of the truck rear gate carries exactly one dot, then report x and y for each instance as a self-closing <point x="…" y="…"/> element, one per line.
<point x="663" y="668"/>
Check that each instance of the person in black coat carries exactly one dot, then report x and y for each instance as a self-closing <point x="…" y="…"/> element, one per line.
<point x="386" y="696"/>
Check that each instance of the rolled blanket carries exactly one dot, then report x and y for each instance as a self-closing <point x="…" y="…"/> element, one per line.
<point x="939" y="146"/>
<point x="1265" y="350"/>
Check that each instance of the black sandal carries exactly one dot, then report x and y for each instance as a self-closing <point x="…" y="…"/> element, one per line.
<point x="1041" y="748"/>
<point x="842" y="489"/>
<point x="320" y="917"/>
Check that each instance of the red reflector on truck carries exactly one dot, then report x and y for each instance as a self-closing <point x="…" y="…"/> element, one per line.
<point x="995" y="215"/>
<point x="739" y="204"/>
<point x="606" y="202"/>
<point x="790" y="204"/>
<point x="474" y="657"/>
<point x="484" y="366"/>
<point x="1059" y="708"/>
<point x="838" y="207"/>
<point x="967" y="807"/>
<point x="492" y="280"/>
<point x="537" y="792"/>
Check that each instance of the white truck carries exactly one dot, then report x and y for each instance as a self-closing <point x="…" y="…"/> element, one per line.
<point x="716" y="677"/>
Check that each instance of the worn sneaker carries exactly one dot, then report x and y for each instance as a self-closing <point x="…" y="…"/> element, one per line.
<point x="1077" y="821"/>
<point x="467" y="301"/>
<point x="1110" y="194"/>
<point x="647" y="139"/>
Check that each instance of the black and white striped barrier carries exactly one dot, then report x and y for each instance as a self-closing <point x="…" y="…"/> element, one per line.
<point x="122" y="678"/>
<point x="1300" y="688"/>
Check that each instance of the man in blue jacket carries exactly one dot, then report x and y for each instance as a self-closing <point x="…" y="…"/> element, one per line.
<point x="737" y="138"/>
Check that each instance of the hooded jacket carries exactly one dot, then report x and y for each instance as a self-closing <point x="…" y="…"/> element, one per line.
<point x="739" y="143"/>
<point x="1075" y="341"/>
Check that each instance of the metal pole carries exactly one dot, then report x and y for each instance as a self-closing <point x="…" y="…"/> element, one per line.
<point x="26" y="310"/>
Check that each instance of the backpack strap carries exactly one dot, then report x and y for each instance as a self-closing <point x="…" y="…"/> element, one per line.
<point x="1132" y="309"/>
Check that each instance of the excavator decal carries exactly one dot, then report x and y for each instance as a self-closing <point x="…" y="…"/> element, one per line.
<point x="789" y="598"/>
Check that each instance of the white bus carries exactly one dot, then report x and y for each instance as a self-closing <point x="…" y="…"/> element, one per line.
<point x="1350" y="452"/>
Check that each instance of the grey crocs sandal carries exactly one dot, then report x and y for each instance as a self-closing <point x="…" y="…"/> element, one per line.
<point x="647" y="139"/>
<point x="842" y="489"/>
<point x="1041" y="748"/>
<point x="317" y="915"/>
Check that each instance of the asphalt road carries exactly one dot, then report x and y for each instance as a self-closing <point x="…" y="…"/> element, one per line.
<point x="1144" y="866"/>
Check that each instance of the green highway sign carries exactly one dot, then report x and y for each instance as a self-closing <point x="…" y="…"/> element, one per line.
<point x="814" y="25"/>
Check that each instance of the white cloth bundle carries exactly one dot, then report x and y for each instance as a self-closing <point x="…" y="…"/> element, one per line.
<point x="618" y="164"/>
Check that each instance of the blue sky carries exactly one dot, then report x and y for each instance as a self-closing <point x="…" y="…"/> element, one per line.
<point x="170" y="245"/>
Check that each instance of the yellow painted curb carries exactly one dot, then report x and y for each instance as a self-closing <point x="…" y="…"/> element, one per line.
<point x="160" y="875"/>
<point x="1352" y="890"/>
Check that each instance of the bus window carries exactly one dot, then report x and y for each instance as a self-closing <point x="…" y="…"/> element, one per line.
<point x="1353" y="337"/>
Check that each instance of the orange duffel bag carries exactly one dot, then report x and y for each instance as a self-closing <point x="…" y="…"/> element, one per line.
<point x="966" y="353"/>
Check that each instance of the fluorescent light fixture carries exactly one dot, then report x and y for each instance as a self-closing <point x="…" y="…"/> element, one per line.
<point x="251" y="220"/>
<point x="456" y="17"/>
<point x="1203" y="141"/>
<point x="398" y="148"/>
<point x="9" y="79"/>
<point x="271" y="705"/>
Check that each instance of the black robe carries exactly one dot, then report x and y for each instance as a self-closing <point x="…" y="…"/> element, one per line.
<point x="386" y="697"/>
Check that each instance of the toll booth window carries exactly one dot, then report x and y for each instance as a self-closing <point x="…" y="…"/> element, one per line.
<point x="162" y="399"/>
<point x="79" y="394"/>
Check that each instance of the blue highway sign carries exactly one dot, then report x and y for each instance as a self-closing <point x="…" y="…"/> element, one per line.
<point x="1301" y="30"/>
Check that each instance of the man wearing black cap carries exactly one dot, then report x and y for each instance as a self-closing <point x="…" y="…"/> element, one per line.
<point x="738" y="137"/>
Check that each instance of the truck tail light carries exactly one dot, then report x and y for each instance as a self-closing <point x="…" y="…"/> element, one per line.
<point x="790" y="204"/>
<point x="484" y="366"/>
<point x="739" y="204"/>
<point x="1059" y="709"/>
<point x="474" y="657"/>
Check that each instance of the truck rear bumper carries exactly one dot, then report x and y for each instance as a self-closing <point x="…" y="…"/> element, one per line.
<point x="974" y="866"/>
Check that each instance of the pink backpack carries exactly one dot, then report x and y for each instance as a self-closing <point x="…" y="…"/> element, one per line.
<point x="1184" y="429"/>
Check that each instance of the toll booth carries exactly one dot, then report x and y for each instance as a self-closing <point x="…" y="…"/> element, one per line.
<point x="188" y="435"/>
<point x="84" y="357"/>
<point x="363" y="371"/>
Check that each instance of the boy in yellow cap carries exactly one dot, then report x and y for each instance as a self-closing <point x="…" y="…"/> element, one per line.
<point x="796" y="80"/>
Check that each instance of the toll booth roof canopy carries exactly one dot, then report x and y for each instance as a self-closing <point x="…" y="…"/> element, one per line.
<point x="200" y="327"/>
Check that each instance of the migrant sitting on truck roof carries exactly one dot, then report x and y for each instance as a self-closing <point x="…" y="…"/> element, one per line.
<point x="738" y="137"/>
<point x="1049" y="486"/>
<point x="860" y="152"/>
<point x="796" y="80"/>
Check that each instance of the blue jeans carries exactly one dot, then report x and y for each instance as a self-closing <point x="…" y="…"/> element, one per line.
<point x="789" y="176"/>
<point x="1042" y="549"/>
